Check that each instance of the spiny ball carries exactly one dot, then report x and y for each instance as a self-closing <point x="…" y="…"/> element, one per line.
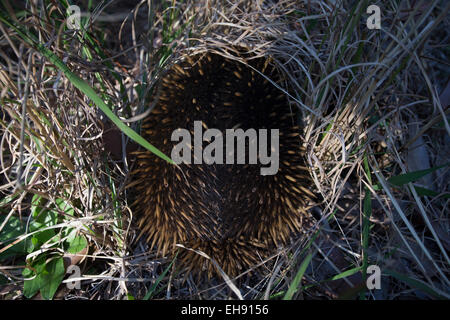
<point x="229" y="211"/>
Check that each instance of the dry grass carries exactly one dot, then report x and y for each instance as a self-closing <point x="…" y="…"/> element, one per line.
<point x="371" y="109"/>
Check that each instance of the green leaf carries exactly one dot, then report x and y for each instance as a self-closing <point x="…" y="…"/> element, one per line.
<point x="298" y="277"/>
<point x="43" y="236"/>
<point x="76" y="244"/>
<point x="52" y="278"/>
<point x="49" y="275"/>
<point x="13" y="229"/>
<point x="64" y="207"/>
<point x="31" y="287"/>
<point x="42" y="218"/>
<point x="6" y="200"/>
<point x="37" y="203"/>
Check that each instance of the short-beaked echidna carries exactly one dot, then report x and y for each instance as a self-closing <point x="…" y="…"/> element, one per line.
<point x="229" y="211"/>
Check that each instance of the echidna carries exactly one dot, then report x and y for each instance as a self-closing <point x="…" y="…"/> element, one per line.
<point x="229" y="211"/>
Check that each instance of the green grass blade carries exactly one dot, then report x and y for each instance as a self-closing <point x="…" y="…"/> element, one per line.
<point x="413" y="176"/>
<point x="415" y="283"/>
<point x="298" y="277"/>
<point x="346" y="273"/>
<point x="152" y="289"/>
<point x="430" y="193"/>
